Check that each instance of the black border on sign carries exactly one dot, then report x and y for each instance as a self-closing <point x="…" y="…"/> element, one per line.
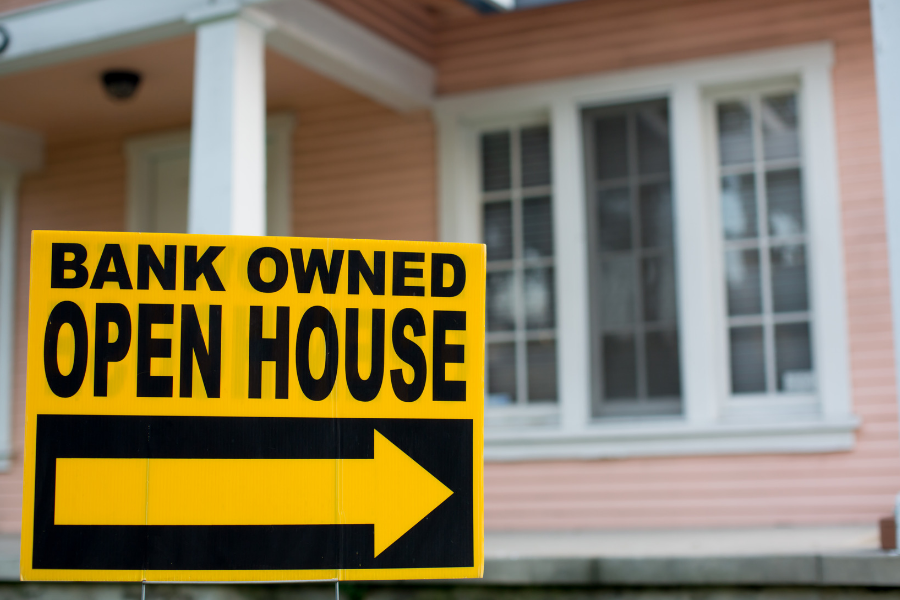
<point x="444" y="538"/>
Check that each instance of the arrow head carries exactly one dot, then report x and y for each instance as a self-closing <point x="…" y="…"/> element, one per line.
<point x="405" y="493"/>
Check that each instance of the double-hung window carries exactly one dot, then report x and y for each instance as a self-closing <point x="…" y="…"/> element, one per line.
<point x="764" y="233"/>
<point x="663" y="258"/>
<point x="517" y="224"/>
<point x="634" y="347"/>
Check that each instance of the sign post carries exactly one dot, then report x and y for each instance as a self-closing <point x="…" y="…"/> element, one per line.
<point x="222" y="408"/>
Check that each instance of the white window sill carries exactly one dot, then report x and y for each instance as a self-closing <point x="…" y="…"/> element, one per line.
<point x="669" y="438"/>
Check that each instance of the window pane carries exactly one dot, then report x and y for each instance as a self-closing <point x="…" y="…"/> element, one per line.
<point x="748" y="371"/>
<point x="617" y="291"/>
<point x="793" y="358"/>
<point x="501" y="374"/>
<point x="653" y="138"/>
<point x="500" y="301"/>
<point x="658" y="275"/>
<point x="656" y="215"/>
<point x="663" y="375"/>
<point x="742" y="275"/>
<point x="615" y="219"/>
<point x="619" y="366"/>
<point x="535" y="156"/>
<point x="611" y="138"/>
<point x="785" y="202"/>
<point x="739" y="206"/>
<point x="495" y="161"/>
<point x="498" y="234"/>
<point x="537" y="227"/>
<point x="539" y="310"/>
<point x="541" y="358"/>
<point x="779" y="126"/>
<point x="789" y="283"/>
<point x="735" y="133"/>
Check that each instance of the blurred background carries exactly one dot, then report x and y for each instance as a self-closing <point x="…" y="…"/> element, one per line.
<point x="691" y="381"/>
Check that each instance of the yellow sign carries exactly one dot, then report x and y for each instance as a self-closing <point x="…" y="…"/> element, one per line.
<point x="222" y="408"/>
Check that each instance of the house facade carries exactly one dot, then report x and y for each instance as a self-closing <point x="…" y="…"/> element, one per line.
<point x="689" y="296"/>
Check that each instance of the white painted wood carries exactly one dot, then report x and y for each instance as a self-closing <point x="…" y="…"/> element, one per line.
<point x="9" y="179"/>
<point x="669" y="438"/>
<point x="279" y="208"/>
<point x="341" y="49"/>
<point x="227" y="190"/>
<point x="885" y="25"/>
<point x="829" y="296"/>
<point x="147" y="154"/>
<point x="821" y="423"/>
<point x="573" y="355"/>
<point x="697" y="277"/>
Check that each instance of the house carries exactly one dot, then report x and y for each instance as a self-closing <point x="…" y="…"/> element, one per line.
<point x="689" y="311"/>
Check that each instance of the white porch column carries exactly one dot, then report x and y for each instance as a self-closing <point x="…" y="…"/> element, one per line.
<point x="886" y="38"/>
<point x="9" y="222"/>
<point x="228" y="149"/>
<point x="21" y="151"/>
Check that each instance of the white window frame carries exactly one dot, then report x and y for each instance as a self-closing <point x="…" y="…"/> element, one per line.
<point x="704" y="427"/>
<point x="142" y="151"/>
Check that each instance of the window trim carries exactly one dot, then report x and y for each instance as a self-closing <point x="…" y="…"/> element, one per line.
<point x="521" y="411"/>
<point x="142" y="151"/>
<point x="703" y="427"/>
<point x="743" y="407"/>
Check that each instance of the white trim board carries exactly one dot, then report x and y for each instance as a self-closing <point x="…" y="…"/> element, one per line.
<point x="141" y="151"/>
<point x="671" y="438"/>
<point x="829" y="426"/>
<point x="9" y="223"/>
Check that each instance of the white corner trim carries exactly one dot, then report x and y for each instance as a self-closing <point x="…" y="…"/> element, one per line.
<point x="59" y="31"/>
<point x="9" y="222"/>
<point x="341" y="49"/>
<point x="671" y="438"/>
<point x="21" y="149"/>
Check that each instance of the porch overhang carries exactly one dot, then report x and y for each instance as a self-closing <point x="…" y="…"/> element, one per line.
<point x="308" y="32"/>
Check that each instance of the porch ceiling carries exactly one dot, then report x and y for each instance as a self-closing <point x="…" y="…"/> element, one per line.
<point x="67" y="102"/>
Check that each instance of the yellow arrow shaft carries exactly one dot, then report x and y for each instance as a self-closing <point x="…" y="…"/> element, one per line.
<point x="138" y="491"/>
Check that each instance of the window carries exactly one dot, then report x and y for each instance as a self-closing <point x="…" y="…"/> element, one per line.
<point x="683" y="275"/>
<point x="517" y="226"/>
<point x="765" y="243"/>
<point x="632" y="260"/>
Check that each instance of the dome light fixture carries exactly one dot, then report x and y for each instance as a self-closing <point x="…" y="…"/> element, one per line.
<point x="121" y="84"/>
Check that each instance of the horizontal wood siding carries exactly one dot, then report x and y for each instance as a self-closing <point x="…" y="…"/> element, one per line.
<point x="591" y="36"/>
<point x="11" y="5"/>
<point x="363" y="171"/>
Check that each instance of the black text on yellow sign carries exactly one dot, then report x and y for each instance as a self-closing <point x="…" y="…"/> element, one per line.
<point x="228" y="408"/>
